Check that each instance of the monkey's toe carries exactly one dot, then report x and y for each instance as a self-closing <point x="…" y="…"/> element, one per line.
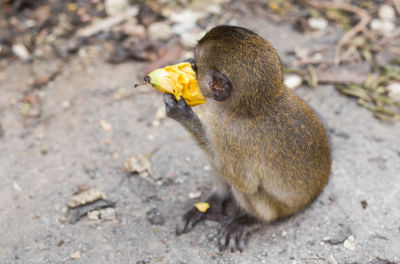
<point x="233" y="236"/>
<point x="188" y="221"/>
<point x="234" y="233"/>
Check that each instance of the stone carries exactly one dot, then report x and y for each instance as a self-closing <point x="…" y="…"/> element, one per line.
<point x="114" y="7"/>
<point x="318" y="23"/>
<point x="387" y="12"/>
<point x="21" y="51"/>
<point x="292" y="81"/>
<point x="160" y="31"/>
<point x="394" y="91"/>
<point x="382" y="27"/>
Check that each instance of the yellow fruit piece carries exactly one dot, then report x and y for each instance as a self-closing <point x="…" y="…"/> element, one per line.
<point x="202" y="207"/>
<point x="179" y="80"/>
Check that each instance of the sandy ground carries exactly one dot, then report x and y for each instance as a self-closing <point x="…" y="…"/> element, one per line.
<point x="43" y="162"/>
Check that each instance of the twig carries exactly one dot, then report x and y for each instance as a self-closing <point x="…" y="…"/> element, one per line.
<point x="339" y="77"/>
<point x="362" y="24"/>
<point x="103" y="25"/>
<point x="106" y="24"/>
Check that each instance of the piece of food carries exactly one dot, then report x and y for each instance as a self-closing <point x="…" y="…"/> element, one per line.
<point x="179" y="80"/>
<point x="202" y="207"/>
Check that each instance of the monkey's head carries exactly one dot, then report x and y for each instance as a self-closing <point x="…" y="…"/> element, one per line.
<point x="237" y="68"/>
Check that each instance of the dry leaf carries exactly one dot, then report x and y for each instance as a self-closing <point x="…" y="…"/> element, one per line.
<point x="86" y="197"/>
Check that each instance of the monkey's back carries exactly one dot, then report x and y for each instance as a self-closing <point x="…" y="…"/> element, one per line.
<point x="280" y="155"/>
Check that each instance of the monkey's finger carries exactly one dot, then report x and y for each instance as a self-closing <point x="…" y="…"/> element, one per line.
<point x="223" y="240"/>
<point x="181" y="227"/>
<point x="188" y="221"/>
<point x="169" y="99"/>
<point x="170" y="105"/>
<point x="241" y="239"/>
<point x="182" y="103"/>
<point x="232" y="243"/>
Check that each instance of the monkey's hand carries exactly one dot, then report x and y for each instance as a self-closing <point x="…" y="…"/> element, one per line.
<point x="178" y="110"/>
<point x="184" y="114"/>
<point x="233" y="235"/>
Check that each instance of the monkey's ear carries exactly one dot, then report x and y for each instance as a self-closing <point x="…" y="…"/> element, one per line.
<point x="220" y="86"/>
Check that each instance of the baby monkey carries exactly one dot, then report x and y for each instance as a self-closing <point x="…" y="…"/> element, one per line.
<point x="269" y="151"/>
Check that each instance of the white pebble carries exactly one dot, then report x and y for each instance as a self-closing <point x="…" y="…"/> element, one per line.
<point x="386" y="12"/>
<point x="214" y="9"/>
<point x="65" y="104"/>
<point x="114" y="7"/>
<point x="155" y="123"/>
<point x="21" y="51"/>
<point x="350" y="243"/>
<point x="318" y="23"/>
<point x="383" y="27"/>
<point x="194" y="195"/>
<point x="394" y="91"/>
<point x="292" y="81"/>
<point x="207" y="168"/>
<point x="187" y="16"/>
<point x="160" y="31"/>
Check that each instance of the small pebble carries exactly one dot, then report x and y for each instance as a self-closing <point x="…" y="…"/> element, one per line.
<point x="318" y="23"/>
<point x="292" y="81"/>
<point x="383" y="27"/>
<point x="194" y="195"/>
<point x="17" y="187"/>
<point x="131" y="27"/>
<point x="386" y="12"/>
<point x="105" y="126"/>
<point x="65" y="104"/>
<point x="350" y="243"/>
<point x="155" y="123"/>
<point x="186" y="16"/>
<point x="114" y="7"/>
<point x="138" y="164"/>
<point x="94" y="215"/>
<point x="160" y="31"/>
<point x="21" y="51"/>
<point x="207" y="168"/>
<point x="394" y="91"/>
<point x="214" y="9"/>
<point x="75" y="255"/>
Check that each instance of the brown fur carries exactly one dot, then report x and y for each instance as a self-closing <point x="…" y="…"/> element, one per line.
<point x="263" y="141"/>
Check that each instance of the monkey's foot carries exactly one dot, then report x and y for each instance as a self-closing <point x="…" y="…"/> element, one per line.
<point x="193" y="216"/>
<point x="234" y="233"/>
